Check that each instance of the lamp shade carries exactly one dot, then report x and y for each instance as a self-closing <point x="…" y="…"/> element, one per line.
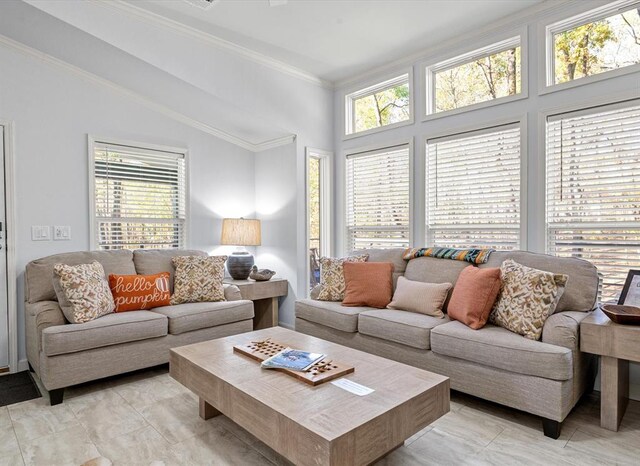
<point x="241" y="232"/>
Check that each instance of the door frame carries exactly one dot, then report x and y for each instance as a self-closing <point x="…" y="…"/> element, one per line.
<point x="10" y="241"/>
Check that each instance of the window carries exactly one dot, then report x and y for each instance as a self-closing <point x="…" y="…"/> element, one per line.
<point x="138" y="198"/>
<point x="596" y="42"/>
<point x="318" y="210"/>
<point x="487" y="74"/>
<point x="384" y="104"/>
<point x="473" y="189"/>
<point x="593" y="189"/>
<point x="378" y="198"/>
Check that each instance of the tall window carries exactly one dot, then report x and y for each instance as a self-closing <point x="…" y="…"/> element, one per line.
<point x="473" y="189"/>
<point x="318" y="210"/>
<point x="598" y="41"/>
<point x="378" y="198"/>
<point x="593" y="189"/>
<point x="383" y="104"/>
<point x="483" y="75"/>
<point x="139" y="197"/>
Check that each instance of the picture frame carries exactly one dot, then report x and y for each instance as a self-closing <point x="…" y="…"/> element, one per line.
<point x="630" y="295"/>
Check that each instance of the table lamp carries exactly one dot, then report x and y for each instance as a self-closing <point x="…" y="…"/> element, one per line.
<point x="240" y="232"/>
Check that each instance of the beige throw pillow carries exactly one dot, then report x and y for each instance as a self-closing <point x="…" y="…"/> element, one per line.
<point x="527" y="298"/>
<point x="83" y="291"/>
<point x="332" y="284"/>
<point x="198" y="279"/>
<point x="425" y="298"/>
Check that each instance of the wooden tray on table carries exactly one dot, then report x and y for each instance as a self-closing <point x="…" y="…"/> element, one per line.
<point x="322" y="371"/>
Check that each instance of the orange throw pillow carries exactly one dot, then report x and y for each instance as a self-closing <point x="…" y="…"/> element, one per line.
<point x="474" y="295"/>
<point x="139" y="292"/>
<point x="368" y="284"/>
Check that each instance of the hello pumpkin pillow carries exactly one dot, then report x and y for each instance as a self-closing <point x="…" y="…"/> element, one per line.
<point x="140" y="292"/>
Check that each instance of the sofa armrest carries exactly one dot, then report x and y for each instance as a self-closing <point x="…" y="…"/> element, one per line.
<point x="39" y="316"/>
<point x="232" y="293"/>
<point x="563" y="329"/>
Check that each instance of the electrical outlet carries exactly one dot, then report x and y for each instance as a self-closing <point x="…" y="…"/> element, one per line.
<point x="61" y="233"/>
<point x="40" y="233"/>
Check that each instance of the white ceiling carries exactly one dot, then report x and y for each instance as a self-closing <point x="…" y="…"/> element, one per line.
<point x="336" y="39"/>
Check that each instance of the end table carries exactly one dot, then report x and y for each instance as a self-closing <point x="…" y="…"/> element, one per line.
<point x="265" y="299"/>
<point x="617" y="345"/>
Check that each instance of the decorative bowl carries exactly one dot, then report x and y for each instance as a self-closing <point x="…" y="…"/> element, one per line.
<point x="622" y="314"/>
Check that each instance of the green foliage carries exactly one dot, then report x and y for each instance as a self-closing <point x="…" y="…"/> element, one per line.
<point x="488" y="78"/>
<point x="578" y="50"/>
<point x="382" y="108"/>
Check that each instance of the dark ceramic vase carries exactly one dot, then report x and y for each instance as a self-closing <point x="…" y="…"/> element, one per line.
<point x="239" y="265"/>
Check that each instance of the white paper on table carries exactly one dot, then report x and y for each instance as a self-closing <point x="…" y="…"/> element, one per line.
<point x="353" y="387"/>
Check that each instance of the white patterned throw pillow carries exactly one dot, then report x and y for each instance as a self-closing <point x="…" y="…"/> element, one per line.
<point x="198" y="279"/>
<point x="83" y="291"/>
<point x="332" y="284"/>
<point x="527" y="298"/>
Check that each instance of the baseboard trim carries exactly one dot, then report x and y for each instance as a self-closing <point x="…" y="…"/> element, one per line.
<point x="23" y="365"/>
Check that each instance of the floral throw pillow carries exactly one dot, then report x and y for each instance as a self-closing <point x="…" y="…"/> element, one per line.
<point x="332" y="284"/>
<point x="527" y="298"/>
<point x="198" y="279"/>
<point x="83" y="291"/>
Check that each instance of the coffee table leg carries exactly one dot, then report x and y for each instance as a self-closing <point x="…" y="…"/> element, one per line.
<point x="614" y="391"/>
<point x="207" y="411"/>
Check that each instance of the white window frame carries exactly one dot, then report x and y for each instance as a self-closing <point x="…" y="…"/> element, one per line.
<point x="373" y="148"/>
<point x="546" y="68"/>
<point x="496" y="45"/>
<point x="92" y="141"/>
<point x="597" y="101"/>
<point x="387" y="82"/>
<point x="326" y="199"/>
<point x="521" y="121"/>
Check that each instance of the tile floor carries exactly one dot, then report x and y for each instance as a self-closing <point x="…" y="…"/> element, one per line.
<point x="147" y="418"/>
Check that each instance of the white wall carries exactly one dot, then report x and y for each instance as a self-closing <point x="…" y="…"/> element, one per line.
<point x="53" y="111"/>
<point x="528" y="108"/>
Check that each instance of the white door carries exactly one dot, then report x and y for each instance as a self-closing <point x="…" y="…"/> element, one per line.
<point x="4" y="315"/>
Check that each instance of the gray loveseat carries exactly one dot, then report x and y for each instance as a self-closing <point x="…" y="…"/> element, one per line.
<point x="545" y="378"/>
<point x="64" y="354"/>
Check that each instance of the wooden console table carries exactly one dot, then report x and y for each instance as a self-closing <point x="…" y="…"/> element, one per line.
<point x="265" y="299"/>
<point x="617" y="345"/>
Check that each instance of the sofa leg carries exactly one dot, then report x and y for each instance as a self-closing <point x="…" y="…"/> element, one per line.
<point x="30" y="368"/>
<point x="551" y="428"/>
<point x="56" y="396"/>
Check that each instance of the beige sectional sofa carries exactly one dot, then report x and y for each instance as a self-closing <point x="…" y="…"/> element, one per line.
<point x="64" y="354"/>
<point x="545" y="378"/>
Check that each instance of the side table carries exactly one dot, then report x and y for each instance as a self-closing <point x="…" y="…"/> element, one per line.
<point x="265" y="299"/>
<point x="617" y="345"/>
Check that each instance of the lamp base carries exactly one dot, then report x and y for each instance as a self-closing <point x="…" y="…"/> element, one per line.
<point x="239" y="265"/>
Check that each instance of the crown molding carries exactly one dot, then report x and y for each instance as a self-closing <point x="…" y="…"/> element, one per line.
<point x="145" y="101"/>
<point x="515" y="20"/>
<point x="209" y="39"/>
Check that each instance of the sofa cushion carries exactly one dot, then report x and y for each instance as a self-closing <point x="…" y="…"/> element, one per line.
<point x="111" y="329"/>
<point x="393" y="255"/>
<point x="198" y="279"/>
<point x="582" y="286"/>
<point x="368" y="284"/>
<point x="151" y="262"/>
<point x="194" y="316"/>
<point x="498" y="347"/>
<point x="330" y="314"/>
<point x="408" y="328"/>
<point x="39" y="273"/>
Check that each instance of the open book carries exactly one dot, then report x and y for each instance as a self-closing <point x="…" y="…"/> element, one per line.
<point x="292" y="359"/>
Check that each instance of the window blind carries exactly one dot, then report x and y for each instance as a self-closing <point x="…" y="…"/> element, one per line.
<point x="378" y="199"/>
<point x="139" y="197"/>
<point x="593" y="189"/>
<point x="473" y="189"/>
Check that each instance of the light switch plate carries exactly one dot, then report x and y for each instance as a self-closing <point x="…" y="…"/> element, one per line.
<point x="61" y="233"/>
<point x="40" y="233"/>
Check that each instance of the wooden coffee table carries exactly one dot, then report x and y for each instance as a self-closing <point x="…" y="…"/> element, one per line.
<point x="312" y="425"/>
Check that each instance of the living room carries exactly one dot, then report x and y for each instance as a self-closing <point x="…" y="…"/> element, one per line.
<point x="448" y="192"/>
